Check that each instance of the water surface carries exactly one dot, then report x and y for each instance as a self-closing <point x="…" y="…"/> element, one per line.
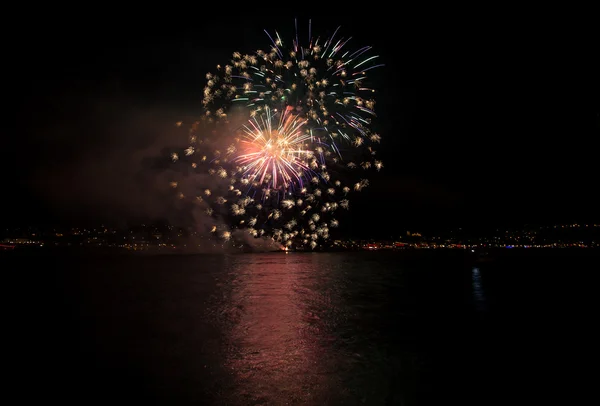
<point x="362" y="328"/>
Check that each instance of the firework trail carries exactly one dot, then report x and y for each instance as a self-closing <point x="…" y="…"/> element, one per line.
<point x="285" y="169"/>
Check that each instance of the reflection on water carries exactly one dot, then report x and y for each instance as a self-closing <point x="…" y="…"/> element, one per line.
<point x="478" y="293"/>
<point x="367" y="328"/>
<point x="277" y="342"/>
<point x="306" y="329"/>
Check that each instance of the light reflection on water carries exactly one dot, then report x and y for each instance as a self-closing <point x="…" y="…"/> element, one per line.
<point x="478" y="292"/>
<point x="293" y="336"/>
<point x="279" y="346"/>
<point x="298" y="328"/>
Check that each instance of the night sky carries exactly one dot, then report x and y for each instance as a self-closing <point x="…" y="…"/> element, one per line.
<point x="486" y="123"/>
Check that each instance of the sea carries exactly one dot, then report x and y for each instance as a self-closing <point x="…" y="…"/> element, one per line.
<point x="422" y="327"/>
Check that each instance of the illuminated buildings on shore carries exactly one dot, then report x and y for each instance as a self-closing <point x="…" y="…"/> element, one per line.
<point x="144" y="237"/>
<point x="555" y="236"/>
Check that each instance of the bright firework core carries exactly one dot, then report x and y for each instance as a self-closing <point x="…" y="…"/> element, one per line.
<point x="272" y="153"/>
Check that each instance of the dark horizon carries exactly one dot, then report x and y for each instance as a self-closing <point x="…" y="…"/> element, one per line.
<point x="480" y="127"/>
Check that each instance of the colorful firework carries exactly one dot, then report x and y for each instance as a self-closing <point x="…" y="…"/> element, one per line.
<point x="325" y="83"/>
<point x="274" y="155"/>
<point x="308" y="111"/>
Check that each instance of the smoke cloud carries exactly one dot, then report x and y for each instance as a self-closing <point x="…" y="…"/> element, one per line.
<point x="112" y="163"/>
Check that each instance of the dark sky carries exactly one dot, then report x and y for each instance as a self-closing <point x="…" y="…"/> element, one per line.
<point x="493" y="122"/>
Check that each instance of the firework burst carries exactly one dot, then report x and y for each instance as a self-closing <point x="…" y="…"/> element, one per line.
<point x="308" y="120"/>
<point x="274" y="155"/>
<point x="324" y="81"/>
